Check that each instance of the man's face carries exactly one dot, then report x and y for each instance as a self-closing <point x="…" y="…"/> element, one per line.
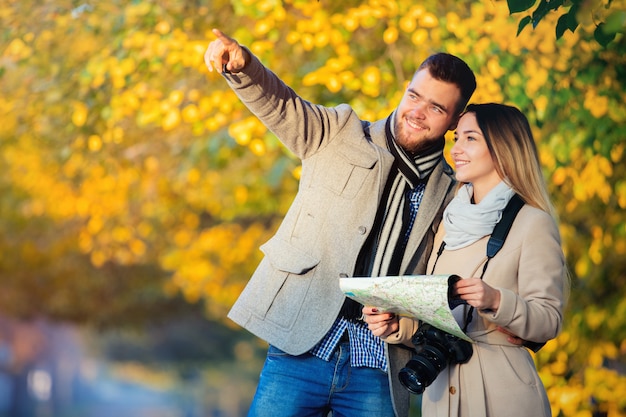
<point x="427" y="111"/>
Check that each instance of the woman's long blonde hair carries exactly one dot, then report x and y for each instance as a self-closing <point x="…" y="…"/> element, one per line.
<point x="514" y="152"/>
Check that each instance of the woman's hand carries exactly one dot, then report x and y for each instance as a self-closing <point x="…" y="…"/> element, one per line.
<point x="511" y="337"/>
<point x="380" y="324"/>
<point x="483" y="297"/>
<point x="478" y="294"/>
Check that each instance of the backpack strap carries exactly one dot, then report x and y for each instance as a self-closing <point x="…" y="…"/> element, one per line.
<point x="496" y="241"/>
<point x="501" y="230"/>
<point x="497" y="238"/>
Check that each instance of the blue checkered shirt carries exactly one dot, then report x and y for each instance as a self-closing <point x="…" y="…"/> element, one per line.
<point x="366" y="349"/>
<point x="414" y="198"/>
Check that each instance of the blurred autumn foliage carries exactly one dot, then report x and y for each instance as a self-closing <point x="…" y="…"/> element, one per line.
<point x="606" y="18"/>
<point x="131" y="175"/>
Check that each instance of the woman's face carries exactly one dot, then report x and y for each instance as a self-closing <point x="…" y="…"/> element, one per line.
<point x="472" y="159"/>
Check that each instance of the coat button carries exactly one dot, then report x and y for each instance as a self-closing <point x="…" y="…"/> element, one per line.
<point x="452" y="390"/>
<point x="362" y="230"/>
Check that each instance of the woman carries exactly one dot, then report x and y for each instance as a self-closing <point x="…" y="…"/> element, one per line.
<point x="523" y="289"/>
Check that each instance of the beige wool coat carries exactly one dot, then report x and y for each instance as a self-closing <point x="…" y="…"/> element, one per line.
<point x="500" y="379"/>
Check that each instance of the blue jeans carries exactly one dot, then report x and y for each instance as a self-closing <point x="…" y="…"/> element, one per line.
<point x="306" y="386"/>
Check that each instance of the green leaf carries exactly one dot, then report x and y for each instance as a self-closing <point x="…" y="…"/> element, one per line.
<point x="566" y="22"/>
<point x="544" y="7"/>
<point x="522" y="24"/>
<point x="561" y="26"/>
<point x="516" y="6"/>
<point x="601" y="36"/>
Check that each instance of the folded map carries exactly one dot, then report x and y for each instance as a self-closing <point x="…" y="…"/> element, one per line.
<point x="425" y="297"/>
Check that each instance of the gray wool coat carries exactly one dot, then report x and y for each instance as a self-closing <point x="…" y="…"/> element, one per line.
<point x="293" y="297"/>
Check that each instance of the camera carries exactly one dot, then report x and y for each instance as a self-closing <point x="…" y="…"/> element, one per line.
<point x="434" y="350"/>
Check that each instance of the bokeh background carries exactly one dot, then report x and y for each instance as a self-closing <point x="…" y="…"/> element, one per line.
<point x="136" y="189"/>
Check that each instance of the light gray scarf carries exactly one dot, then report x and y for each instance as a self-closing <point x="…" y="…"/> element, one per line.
<point x="465" y="223"/>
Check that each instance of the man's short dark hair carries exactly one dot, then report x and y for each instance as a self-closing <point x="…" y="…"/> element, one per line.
<point x="452" y="69"/>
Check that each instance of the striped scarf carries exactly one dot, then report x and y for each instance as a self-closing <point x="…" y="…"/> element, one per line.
<point x="384" y="249"/>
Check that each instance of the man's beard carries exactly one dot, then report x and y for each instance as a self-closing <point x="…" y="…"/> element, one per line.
<point x="413" y="147"/>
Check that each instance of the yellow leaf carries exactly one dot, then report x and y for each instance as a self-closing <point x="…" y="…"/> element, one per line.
<point x="417" y="11"/>
<point x="428" y="20"/>
<point x="176" y="97"/>
<point x="262" y="27"/>
<point x="541" y="103"/>
<point x="151" y="164"/>
<point x="18" y="49"/>
<point x="241" y="194"/>
<point x="182" y="238"/>
<point x="190" y="113"/>
<point x="121" y="234"/>
<point x="297" y="172"/>
<point x="308" y="42"/>
<point x="171" y="119"/>
<point x="419" y="37"/>
<point x="257" y="146"/>
<point x="390" y="35"/>
<point x="293" y="37"/>
<point x="582" y="267"/>
<point x="94" y="143"/>
<point x="322" y="38"/>
<point x="98" y="258"/>
<point x="79" y="116"/>
<point x="494" y="68"/>
<point x="333" y="84"/>
<point x="558" y="368"/>
<point x="371" y="75"/>
<point x="162" y="27"/>
<point x="407" y="24"/>
<point x="617" y="152"/>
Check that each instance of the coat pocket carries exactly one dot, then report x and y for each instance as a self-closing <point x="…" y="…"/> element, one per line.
<point x="280" y="285"/>
<point x="287" y="258"/>
<point x="346" y="170"/>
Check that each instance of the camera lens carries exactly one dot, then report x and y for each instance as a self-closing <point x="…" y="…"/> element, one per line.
<point x="422" y="370"/>
<point x="434" y="349"/>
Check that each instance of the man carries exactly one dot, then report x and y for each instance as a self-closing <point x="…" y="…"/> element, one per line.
<point x="356" y="214"/>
